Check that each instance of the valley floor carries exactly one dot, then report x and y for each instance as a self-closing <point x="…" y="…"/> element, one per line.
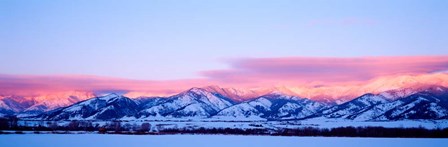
<point x="90" y="140"/>
<point x="209" y="124"/>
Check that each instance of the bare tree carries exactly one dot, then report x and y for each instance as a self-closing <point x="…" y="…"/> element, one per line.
<point x="73" y="125"/>
<point x="117" y="126"/>
<point x="145" y="127"/>
<point x="53" y="125"/>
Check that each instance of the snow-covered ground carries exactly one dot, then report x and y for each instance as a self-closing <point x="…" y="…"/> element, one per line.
<point x="96" y="140"/>
<point x="333" y="123"/>
<point x="314" y="122"/>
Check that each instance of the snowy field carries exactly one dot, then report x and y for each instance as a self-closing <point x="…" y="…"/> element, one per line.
<point x="98" y="140"/>
<point x="315" y="122"/>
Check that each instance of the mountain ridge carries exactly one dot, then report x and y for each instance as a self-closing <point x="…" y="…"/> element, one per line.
<point x="202" y="103"/>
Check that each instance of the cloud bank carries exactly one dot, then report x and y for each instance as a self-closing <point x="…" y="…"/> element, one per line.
<point x="303" y="70"/>
<point x="310" y="72"/>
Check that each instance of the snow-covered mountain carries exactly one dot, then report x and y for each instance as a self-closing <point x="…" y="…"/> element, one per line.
<point x="237" y="94"/>
<point x="422" y="105"/>
<point x="202" y="103"/>
<point x="271" y="106"/>
<point x="107" y="107"/>
<point x="12" y="105"/>
<point x="24" y="106"/>
<point x="355" y="108"/>
<point x="391" y="87"/>
<point x="430" y="103"/>
<point x="196" y="102"/>
<point x="20" y="106"/>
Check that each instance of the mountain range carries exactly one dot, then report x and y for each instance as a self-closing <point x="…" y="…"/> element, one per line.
<point x="213" y="103"/>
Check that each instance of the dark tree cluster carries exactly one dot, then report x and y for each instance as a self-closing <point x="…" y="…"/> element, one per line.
<point x="366" y="132"/>
<point x="225" y="131"/>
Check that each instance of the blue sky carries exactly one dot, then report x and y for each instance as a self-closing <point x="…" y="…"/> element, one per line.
<point x="158" y="40"/>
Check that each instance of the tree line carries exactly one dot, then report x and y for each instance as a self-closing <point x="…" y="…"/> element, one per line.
<point x="145" y="128"/>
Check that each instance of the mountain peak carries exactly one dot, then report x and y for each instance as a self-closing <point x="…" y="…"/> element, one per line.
<point x="110" y="97"/>
<point x="278" y="93"/>
<point x="436" y="89"/>
<point x="370" y="99"/>
<point x="196" y="90"/>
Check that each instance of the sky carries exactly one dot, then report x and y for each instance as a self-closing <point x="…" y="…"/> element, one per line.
<point x="200" y="42"/>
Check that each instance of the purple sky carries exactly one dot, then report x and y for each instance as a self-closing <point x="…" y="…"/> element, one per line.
<point x="172" y="40"/>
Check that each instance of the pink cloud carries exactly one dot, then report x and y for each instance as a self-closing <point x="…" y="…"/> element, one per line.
<point x="304" y="76"/>
<point x="300" y="70"/>
<point x="30" y="85"/>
